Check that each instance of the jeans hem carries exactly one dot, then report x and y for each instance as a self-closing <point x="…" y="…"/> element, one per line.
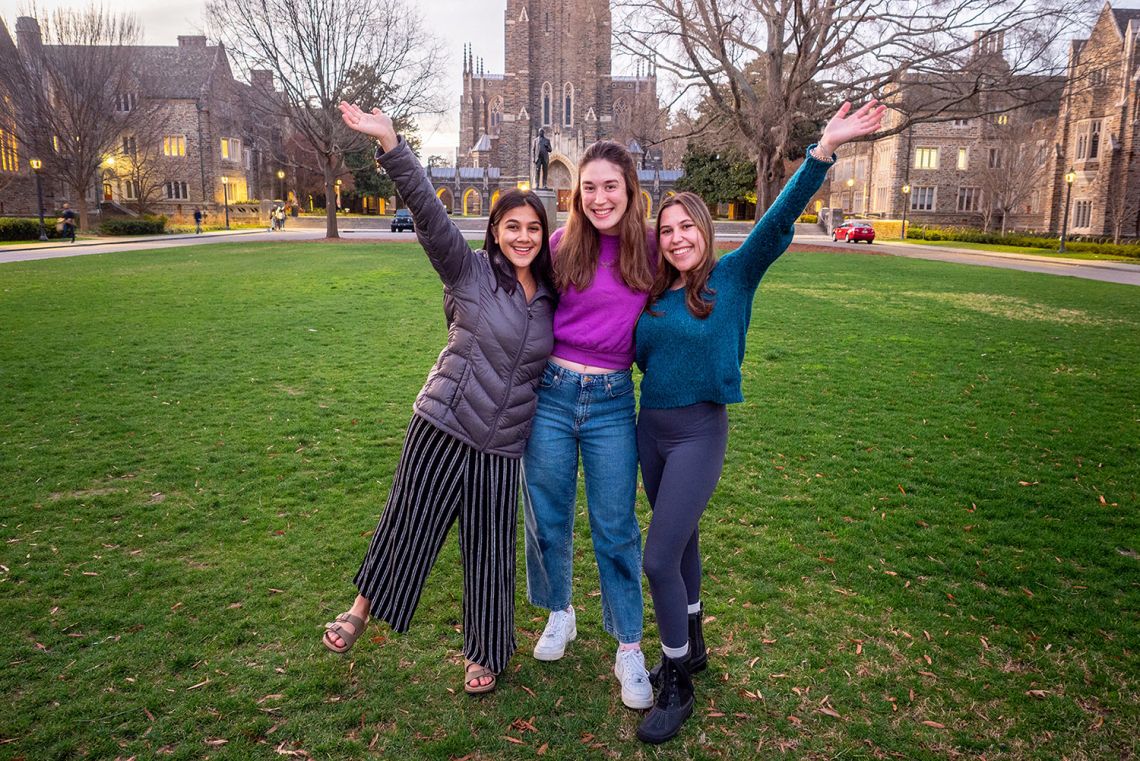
<point x="541" y="604"/>
<point x="627" y="640"/>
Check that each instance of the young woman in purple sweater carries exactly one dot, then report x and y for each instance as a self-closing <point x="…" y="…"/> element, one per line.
<point x="603" y="268"/>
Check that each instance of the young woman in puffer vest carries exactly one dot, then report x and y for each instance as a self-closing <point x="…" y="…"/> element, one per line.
<point x="462" y="453"/>
<point x="690" y="345"/>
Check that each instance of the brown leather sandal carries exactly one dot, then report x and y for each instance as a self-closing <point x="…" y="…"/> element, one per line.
<point x="474" y="675"/>
<point x="349" y="638"/>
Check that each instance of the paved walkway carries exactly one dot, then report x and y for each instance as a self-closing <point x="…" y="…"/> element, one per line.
<point x="473" y="229"/>
<point x="1109" y="272"/>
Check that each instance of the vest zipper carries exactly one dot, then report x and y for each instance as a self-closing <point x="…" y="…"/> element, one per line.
<point x="514" y="369"/>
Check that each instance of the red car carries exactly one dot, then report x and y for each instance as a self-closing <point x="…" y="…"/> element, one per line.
<point x="854" y="232"/>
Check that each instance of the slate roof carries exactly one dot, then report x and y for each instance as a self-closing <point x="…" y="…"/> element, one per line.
<point x="465" y="173"/>
<point x="1124" y="15"/>
<point x="174" y="72"/>
<point x="647" y="176"/>
<point x="181" y="72"/>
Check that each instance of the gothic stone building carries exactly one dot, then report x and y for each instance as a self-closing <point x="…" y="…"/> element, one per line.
<point x="1086" y="127"/>
<point x="557" y="78"/>
<point x="1097" y="136"/>
<point x="972" y="151"/>
<point x="201" y="131"/>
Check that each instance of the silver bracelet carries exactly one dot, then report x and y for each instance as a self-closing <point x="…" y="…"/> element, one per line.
<point x="816" y="155"/>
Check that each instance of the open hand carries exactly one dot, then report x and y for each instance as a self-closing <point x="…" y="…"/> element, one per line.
<point x="846" y="126"/>
<point x="375" y="124"/>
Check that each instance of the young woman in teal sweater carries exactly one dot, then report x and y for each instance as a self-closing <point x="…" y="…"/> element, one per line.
<point x="690" y="344"/>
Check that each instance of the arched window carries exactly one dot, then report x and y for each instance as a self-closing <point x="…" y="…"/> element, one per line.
<point x="547" y="102"/>
<point x="496" y="114"/>
<point x="568" y="105"/>
<point x="621" y="111"/>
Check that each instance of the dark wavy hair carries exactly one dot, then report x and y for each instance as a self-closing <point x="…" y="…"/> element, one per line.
<point x="578" y="249"/>
<point x="699" y="298"/>
<point x="542" y="267"/>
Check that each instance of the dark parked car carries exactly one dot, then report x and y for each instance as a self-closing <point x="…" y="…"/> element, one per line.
<point x="402" y="221"/>
<point x="853" y="232"/>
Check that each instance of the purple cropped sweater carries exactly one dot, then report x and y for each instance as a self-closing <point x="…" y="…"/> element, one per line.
<point x="595" y="326"/>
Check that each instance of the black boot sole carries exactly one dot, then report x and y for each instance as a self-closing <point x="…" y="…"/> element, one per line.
<point x="686" y="713"/>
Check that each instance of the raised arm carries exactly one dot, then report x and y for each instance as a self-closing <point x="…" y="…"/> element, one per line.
<point x="773" y="233"/>
<point x="441" y="239"/>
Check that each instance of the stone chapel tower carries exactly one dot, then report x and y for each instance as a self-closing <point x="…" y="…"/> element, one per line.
<point x="557" y="78"/>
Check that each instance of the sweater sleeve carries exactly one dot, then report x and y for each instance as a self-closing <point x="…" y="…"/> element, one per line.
<point x="773" y="233"/>
<point x="444" y="243"/>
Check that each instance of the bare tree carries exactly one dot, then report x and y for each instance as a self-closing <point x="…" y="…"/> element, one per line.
<point x="1123" y="215"/>
<point x="754" y="59"/>
<point x="139" y="158"/>
<point x="72" y="93"/>
<point x="1012" y="167"/>
<point x="375" y="52"/>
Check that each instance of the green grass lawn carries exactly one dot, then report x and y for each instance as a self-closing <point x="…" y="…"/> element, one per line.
<point x="1002" y="248"/>
<point x="925" y="544"/>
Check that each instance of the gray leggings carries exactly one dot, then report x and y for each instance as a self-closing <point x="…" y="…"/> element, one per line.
<point x="682" y="454"/>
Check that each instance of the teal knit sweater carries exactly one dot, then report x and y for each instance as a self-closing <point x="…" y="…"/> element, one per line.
<point x="686" y="360"/>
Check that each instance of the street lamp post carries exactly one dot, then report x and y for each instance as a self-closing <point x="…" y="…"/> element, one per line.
<point x="226" y="198"/>
<point x="1070" y="177"/>
<point x="850" y="185"/>
<point x="37" y="165"/>
<point x="281" y="182"/>
<point x="906" y="205"/>
<point x="338" y="183"/>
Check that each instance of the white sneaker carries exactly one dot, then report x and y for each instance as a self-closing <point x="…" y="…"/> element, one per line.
<point x="561" y="630"/>
<point x="629" y="668"/>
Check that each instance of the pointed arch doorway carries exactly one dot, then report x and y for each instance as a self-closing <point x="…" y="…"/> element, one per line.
<point x="560" y="178"/>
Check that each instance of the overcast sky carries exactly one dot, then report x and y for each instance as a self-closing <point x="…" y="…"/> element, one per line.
<point x="456" y="22"/>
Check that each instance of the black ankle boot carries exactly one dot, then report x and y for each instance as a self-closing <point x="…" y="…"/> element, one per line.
<point x="697" y="659"/>
<point x="698" y="654"/>
<point x="674" y="704"/>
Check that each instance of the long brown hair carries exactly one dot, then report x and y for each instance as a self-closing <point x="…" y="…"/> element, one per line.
<point x="577" y="258"/>
<point x="699" y="298"/>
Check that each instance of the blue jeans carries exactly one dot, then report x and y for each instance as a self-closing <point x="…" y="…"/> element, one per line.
<point x="591" y="415"/>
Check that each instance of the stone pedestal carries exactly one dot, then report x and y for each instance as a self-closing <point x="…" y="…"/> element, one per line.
<point x="550" y="202"/>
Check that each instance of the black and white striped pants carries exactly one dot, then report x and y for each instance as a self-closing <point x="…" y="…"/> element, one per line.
<point x="438" y="479"/>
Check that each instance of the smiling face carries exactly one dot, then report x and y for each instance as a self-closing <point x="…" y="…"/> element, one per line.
<point x="604" y="195"/>
<point x="680" y="239"/>
<point x="519" y="235"/>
